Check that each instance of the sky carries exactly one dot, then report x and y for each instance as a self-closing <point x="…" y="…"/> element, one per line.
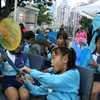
<point x="71" y="3"/>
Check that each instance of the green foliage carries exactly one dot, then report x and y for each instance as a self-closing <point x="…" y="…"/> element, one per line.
<point x="85" y="22"/>
<point x="9" y="6"/>
<point x="38" y="31"/>
<point x="44" y="16"/>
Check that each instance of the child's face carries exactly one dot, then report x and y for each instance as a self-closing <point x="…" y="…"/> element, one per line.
<point x="78" y="31"/>
<point x="57" y="62"/>
<point x="19" y="47"/>
<point x="61" y="41"/>
<point x="82" y="30"/>
<point x="98" y="45"/>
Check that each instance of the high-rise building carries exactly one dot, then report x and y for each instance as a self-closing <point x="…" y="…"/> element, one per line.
<point x="63" y="12"/>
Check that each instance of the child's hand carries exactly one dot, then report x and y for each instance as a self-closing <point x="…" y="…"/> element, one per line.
<point x="93" y="64"/>
<point x="53" y="45"/>
<point x="20" y="79"/>
<point x="30" y="80"/>
<point x="46" y="71"/>
<point x="25" y="70"/>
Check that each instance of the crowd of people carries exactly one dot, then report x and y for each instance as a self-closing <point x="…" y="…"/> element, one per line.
<point x="64" y="83"/>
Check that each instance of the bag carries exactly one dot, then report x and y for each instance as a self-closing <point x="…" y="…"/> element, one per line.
<point x="89" y="34"/>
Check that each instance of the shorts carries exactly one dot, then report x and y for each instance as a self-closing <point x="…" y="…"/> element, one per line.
<point x="96" y="77"/>
<point x="10" y="81"/>
<point x="80" y="43"/>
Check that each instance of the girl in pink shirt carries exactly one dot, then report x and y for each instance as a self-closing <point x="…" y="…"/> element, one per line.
<point x="77" y="36"/>
<point x="82" y="38"/>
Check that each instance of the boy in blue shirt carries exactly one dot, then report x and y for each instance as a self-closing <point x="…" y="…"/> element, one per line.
<point x="13" y="89"/>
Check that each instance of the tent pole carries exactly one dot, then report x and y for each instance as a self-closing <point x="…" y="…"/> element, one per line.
<point x="74" y="26"/>
<point x="15" y="10"/>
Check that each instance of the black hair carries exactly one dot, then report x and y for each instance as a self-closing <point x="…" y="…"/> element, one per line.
<point x="65" y="51"/>
<point x="48" y="29"/>
<point x="97" y="38"/>
<point x="77" y="30"/>
<point x="62" y="34"/>
<point x="29" y="35"/>
<point x="98" y="13"/>
<point x="61" y="29"/>
<point x="22" y="26"/>
<point x="62" y="25"/>
<point x="82" y="28"/>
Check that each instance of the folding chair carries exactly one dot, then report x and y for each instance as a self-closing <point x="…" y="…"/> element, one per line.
<point x="86" y="47"/>
<point x="78" y="53"/>
<point x="86" y="82"/>
<point x="74" y="46"/>
<point x="36" y="61"/>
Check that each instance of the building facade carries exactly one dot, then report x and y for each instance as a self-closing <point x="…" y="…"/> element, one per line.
<point x="63" y="12"/>
<point x="78" y="16"/>
<point x="28" y="16"/>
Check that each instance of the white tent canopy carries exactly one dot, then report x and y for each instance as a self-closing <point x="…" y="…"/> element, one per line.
<point x="89" y="10"/>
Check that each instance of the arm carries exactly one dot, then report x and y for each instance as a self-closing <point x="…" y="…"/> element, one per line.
<point x="36" y="90"/>
<point x="27" y="65"/>
<point x="57" y="82"/>
<point x="26" y="48"/>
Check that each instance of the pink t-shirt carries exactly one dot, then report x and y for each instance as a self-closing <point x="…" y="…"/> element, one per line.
<point x="82" y="36"/>
<point x="77" y="37"/>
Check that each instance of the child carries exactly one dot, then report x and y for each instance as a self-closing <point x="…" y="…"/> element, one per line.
<point x="23" y="29"/>
<point x="82" y="38"/>
<point x="64" y="84"/>
<point x="96" y="67"/>
<point x="29" y="37"/>
<point x="77" y="36"/>
<point x="61" y="41"/>
<point x="10" y="86"/>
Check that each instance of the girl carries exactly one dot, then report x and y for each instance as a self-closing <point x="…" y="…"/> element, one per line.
<point x="64" y="84"/>
<point x="61" y="41"/>
<point x="77" y="36"/>
<point x="96" y="67"/>
<point x="23" y="29"/>
<point x="13" y="89"/>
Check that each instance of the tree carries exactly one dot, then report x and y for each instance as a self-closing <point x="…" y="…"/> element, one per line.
<point x="85" y="22"/>
<point x="44" y="16"/>
<point x="9" y="6"/>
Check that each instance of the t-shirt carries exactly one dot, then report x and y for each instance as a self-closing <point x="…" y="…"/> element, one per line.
<point x="77" y="38"/>
<point x="82" y="36"/>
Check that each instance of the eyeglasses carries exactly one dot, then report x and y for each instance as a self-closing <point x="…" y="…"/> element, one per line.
<point x="46" y="32"/>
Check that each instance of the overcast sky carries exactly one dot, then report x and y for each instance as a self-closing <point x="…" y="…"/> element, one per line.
<point x="70" y="2"/>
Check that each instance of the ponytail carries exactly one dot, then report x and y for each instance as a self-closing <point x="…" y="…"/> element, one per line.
<point x="66" y="51"/>
<point x="72" y="58"/>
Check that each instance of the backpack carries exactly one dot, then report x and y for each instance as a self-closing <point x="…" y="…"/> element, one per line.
<point x="89" y="34"/>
